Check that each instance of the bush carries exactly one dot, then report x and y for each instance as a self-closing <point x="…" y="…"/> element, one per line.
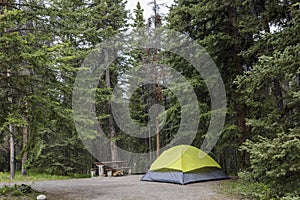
<point x="16" y="190"/>
<point x="276" y="162"/>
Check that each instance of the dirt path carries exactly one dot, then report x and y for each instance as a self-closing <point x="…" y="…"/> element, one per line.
<point x="125" y="188"/>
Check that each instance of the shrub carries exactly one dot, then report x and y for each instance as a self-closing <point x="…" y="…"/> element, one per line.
<point x="276" y="162"/>
<point x="16" y="190"/>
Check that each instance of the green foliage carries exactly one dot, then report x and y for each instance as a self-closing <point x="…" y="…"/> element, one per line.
<point x="16" y="190"/>
<point x="37" y="174"/>
<point x="214" y="25"/>
<point x="246" y="189"/>
<point x="256" y="48"/>
<point x="276" y="161"/>
<point x="270" y="90"/>
<point x="139" y="21"/>
<point x="42" y="46"/>
<point x="255" y="45"/>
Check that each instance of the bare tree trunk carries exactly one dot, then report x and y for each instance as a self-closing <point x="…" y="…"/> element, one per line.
<point x="157" y="137"/>
<point x="157" y="88"/>
<point x="12" y="153"/>
<point x="149" y="128"/>
<point x="11" y="142"/>
<point x="113" y="143"/>
<point x="24" y="157"/>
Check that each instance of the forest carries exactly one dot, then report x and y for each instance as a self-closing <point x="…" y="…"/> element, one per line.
<point x="255" y="45"/>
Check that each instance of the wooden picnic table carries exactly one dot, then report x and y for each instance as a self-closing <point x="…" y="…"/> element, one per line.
<point x="107" y="167"/>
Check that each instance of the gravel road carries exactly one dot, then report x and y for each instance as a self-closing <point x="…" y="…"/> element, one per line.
<point x="125" y="188"/>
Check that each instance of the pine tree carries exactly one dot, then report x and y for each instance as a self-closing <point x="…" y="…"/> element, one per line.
<point x="20" y="51"/>
<point x="43" y="60"/>
<point x="139" y="21"/>
<point x="254" y="45"/>
<point x="270" y="89"/>
<point x="214" y="24"/>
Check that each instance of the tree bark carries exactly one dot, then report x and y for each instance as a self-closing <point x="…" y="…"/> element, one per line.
<point x="113" y="143"/>
<point x="11" y="142"/>
<point x="157" y="137"/>
<point x="24" y="157"/>
<point x="149" y="129"/>
<point x="12" y="152"/>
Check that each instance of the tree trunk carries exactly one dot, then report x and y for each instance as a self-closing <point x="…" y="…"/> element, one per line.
<point x="239" y="107"/>
<point x="157" y="137"/>
<point x="149" y="127"/>
<point x="11" y="142"/>
<point x="12" y="152"/>
<point x="24" y="157"/>
<point x="113" y="143"/>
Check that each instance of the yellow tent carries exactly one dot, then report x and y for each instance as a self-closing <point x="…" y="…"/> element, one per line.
<point x="184" y="164"/>
<point x="183" y="158"/>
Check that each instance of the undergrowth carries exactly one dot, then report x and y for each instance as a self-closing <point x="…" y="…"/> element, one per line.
<point x="36" y="176"/>
<point x="252" y="190"/>
<point x="17" y="192"/>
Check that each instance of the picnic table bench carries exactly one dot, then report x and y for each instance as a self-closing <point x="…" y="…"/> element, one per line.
<point x="112" y="168"/>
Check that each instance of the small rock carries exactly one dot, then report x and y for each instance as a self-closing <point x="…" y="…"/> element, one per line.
<point x="41" y="197"/>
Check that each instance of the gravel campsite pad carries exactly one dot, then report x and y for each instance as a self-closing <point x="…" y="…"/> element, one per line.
<point x="125" y="188"/>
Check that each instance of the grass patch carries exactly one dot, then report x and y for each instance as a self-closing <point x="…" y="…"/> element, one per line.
<point x="34" y="176"/>
<point x="5" y="177"/>
<point x="245" y="189"/>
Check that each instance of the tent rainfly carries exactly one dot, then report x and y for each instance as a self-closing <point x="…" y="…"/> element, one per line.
<point x="184" y="164"/>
